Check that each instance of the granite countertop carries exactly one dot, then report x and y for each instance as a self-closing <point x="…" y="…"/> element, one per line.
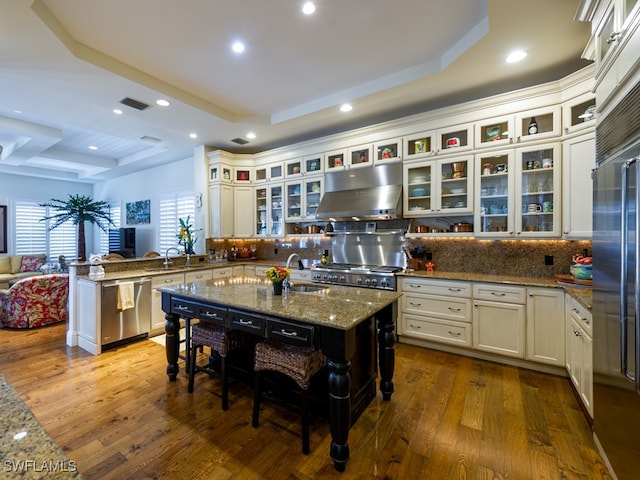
<point x="33" y="455"/>
<point x="336" y="306"/>
<point x="154" y="271"/>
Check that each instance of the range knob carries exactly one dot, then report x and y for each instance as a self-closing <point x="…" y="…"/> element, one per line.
<point x="367" y="282"/>
<point x="359" y="281"/>
<point x="384" y="283"/>
<point x="342" y="279"/>
<point x="334" y="278"/>
<point x="324" y="277"/>
<point x="374" y="282"/>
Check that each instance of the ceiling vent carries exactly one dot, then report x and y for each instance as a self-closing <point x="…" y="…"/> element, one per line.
<point x="137" y="104"/>
<point x="149" y="139"/>
<point x="240" y="141"/>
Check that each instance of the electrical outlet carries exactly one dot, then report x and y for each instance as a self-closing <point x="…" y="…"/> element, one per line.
<point x="548" y="259"/>
<point x="275" y="251"/>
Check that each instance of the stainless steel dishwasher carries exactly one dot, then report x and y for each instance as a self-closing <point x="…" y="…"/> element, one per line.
<point x="123" y="326"/>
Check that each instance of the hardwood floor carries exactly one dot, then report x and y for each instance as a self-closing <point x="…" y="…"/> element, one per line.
<point x="451" y="417"/>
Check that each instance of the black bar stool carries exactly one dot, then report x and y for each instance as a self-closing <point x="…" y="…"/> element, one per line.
<point x="298" y="363"/>
<point x="221" y="341"/>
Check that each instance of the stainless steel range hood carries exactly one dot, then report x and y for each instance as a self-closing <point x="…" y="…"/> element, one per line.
<point x="367" y="193"/>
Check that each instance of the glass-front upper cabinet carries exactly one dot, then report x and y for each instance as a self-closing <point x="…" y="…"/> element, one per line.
<point x="334" y="160"/>
<point x="495" y="132"/>
<point x="494" y="184"/>
<point x="418" y="200"/>
<point x="269" y="210"/>
<point x="276" y="218"/>
<point x="579" y="113"/>
<point x="268" y="173"/>
<point x="419" y="145"/>
<point x="360" y="156"/>
<point x="438" y="187"/>
<point x="387" y="151"/>
<point x="455" y="139"/>
<point x="538" y="124"/>
<point x="313" y="165"/>
<point x="538" y="184"/>
<point x="302" y="198"/>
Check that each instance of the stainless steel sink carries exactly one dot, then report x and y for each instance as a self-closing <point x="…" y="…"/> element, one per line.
<point x="307" y="288"/>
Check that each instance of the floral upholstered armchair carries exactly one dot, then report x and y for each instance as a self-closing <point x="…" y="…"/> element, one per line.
<point x="35" y="301"/>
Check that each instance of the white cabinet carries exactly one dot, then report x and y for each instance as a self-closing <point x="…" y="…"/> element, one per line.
<point x="453" y="140"/>
<point x="438" y="187"/>
<point x="242" y="211"/>
<point x="615" y="46"/>
<point x="495" y="201"/>
<point x="387" y="151"/>
<point x="302" y="198"/>
<point x="578" y="160"/>
<point x="300" y="275"/>
<point x="538" y="197"/>
<point x="270" y="172"/>
<point x="527" y="126"/>
<point x="221" y="210"/>
<point x="269" y="208"/>
<point x="307" y="165"/>
<point x="157" y="314"/>
<point x="89" y="301"/>
<point x="360" y="156"/>
<point x="579" y="354"/>
<point x="198" y="275"/>
<point x="499" y="319"/>
<point x="436" y="310"/>
<point x="545" y="325"/>
<point x="419" y="145"/>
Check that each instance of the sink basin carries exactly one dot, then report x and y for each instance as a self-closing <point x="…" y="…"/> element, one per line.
<point x="166" y="269"/>
<point x="306" y="288"/>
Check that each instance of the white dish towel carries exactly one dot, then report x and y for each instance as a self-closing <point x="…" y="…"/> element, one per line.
<point x="125" y="296"/>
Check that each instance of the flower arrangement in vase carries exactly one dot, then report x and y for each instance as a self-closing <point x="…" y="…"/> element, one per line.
<point x="277" y="275"/>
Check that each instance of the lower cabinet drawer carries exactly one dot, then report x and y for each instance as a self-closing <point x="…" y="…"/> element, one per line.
<point x="247" y="322"/>
<point x="499" y="293"/>
<point x="291" y="333"/>
<point x="436" y="330"/>
<point x="449" y="308"/>
<point x="183" y="307"/>
<point x="215" y="315"/>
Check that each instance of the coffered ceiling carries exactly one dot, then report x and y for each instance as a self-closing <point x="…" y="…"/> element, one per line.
<point x="65" y="65"/>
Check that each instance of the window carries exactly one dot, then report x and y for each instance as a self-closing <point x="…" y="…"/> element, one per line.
<point x="114" y="212"/>
<point x="170" y="210"/>
<point x="33" y="235"/>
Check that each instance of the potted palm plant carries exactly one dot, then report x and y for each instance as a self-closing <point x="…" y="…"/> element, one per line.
<point x="79" y="209"/>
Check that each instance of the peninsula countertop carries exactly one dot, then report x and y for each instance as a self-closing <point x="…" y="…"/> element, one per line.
<point x="336" y="306"/>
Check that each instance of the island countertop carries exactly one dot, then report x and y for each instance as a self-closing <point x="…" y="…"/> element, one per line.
<point x="336" y="307"/>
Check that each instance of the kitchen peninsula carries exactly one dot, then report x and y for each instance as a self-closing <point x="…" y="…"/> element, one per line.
<point x="342" y="321"/>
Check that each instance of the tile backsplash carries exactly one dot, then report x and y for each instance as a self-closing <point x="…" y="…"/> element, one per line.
<point x="451" y="254"/>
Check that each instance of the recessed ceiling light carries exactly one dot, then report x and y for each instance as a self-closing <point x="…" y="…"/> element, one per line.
<point x="92" y="147"/>
<point x="251" y="135"/>
<point x="516" y="56"/>
<point x="162" y="102"/>
<point x="308" y="8"/>
<point x="117" y="111"/>
<point x="346" y="107"/>
<point x="193" y="135"/>
<point x="237" y="47"/>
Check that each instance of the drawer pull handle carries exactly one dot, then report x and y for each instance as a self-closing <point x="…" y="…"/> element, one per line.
<point x="454" y="309"/>
<point x="455" y="289"/>
<point x="288" y="333"/>
<point x="209" y="314"/>
<point x="455" y="334"/>
<point x="416" y="327"/>
<point x="577" y="333"/>
<point x="414" y="286"/>
<point x="415" y="304"/>
<point x="585" y="321"/>
<point x="498" y="294"/>
<point x="242" y="321"/>
<point x="181" y="307"/>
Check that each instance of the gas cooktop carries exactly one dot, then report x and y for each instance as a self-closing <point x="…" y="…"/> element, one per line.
<point x="370" y="276"/>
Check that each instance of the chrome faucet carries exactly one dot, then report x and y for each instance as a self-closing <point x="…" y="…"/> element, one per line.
<point x="168" y="262"/>
<point x="287" y="283"/>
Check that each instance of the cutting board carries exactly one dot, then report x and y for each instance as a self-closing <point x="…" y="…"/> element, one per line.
<point x="570" y="279"/>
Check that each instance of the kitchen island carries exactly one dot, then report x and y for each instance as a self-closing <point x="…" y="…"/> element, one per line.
<point x="342" y="321"/>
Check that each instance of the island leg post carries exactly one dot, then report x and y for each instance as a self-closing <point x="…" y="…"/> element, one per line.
<point x="339" y="411"/>
<point x="172" y="344"/>
<point x="386" y="350"/>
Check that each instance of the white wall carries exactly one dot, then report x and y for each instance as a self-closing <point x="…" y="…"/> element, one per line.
<point x="32" y="189"/>
<point x="151" y="184"/>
